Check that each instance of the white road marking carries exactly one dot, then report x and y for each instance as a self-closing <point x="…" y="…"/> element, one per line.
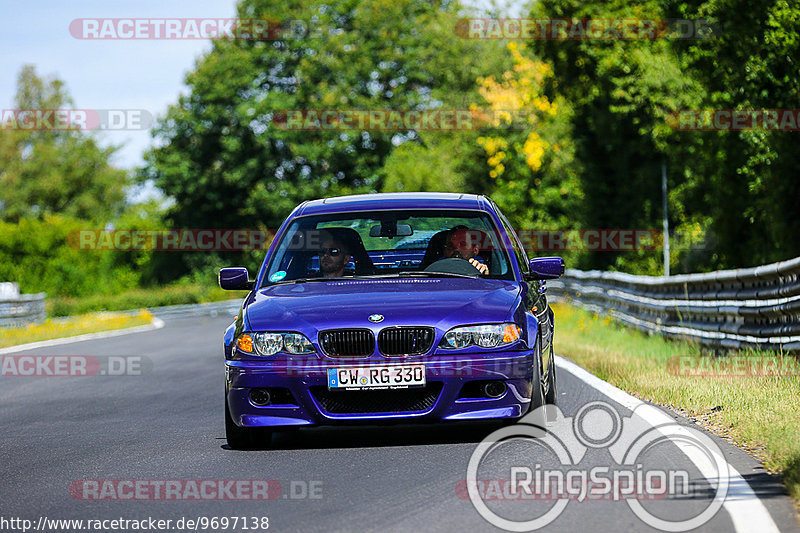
<point x="156" y="323"/>
<point x="745" y="509"/>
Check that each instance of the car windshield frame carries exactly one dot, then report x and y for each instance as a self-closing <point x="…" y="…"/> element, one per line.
<point x="317" y="222"/>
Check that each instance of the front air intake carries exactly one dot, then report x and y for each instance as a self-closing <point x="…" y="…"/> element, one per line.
<point x="347" y="342"/>
<point x="403" y="341"/>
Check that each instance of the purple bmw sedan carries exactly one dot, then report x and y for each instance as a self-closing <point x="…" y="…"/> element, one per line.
<point x="380" y="308"/>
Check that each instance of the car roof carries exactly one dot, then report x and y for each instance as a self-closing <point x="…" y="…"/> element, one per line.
<point x="394" y="200"/>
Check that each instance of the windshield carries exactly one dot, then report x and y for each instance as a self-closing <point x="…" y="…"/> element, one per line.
<point x="389" y="243"/>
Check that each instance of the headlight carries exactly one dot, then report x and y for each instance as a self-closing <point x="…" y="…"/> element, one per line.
<point x="297" y="343"/>
<point x="485" y="336"/>
<point x="266" y="344"/>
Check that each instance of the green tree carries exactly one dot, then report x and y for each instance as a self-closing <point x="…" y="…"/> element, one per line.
<point x="621" y="92"/>
<point x="747" y="180"/>
<point x="221" y="155"/>
<point x="48" y="171"/>
<point x="736" y="191"/>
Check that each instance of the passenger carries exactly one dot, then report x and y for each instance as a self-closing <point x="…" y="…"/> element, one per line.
<point x="333" y="256"/>
<point x="463" y="243"/>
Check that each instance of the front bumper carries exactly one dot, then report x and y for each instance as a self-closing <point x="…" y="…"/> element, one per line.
<point x="450" y="393"/>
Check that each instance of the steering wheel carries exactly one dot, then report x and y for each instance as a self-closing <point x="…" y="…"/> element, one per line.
<point x="453" y="265"/>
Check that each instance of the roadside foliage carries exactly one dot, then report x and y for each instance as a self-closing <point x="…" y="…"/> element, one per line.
<point x="575" y="139"/>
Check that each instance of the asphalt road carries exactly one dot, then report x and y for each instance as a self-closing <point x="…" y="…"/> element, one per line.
<point x="167" y="424"/>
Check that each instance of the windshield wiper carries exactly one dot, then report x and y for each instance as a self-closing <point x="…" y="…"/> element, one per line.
<point x="406" y="274"/>
<point x="426" y="274"/>
<point x="304" y="280"/>
<point x="340" y="278"/>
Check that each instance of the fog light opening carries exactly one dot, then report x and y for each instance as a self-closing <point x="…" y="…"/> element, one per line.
<point x="260" y="397"/>
<point x="495" y="389"/>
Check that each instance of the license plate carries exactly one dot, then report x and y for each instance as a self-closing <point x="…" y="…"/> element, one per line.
<point x="376" y="377"/>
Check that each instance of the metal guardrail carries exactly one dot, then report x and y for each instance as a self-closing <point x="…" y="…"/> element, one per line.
<point x="19" y="309"/>
<point x="758" y="307"/>
<point x="752" y="307"/>
<point x="28" y="308"/>
<point x="212" y="309"/>
<point x="229" y="308"/>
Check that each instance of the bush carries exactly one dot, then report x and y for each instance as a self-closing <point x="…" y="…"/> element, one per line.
<point x="139" y="298"/>
<point x="36" y="254"/>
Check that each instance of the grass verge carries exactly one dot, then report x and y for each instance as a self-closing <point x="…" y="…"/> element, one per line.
<point x="76" y="325"/>
<point x="757" y="413"/>
<point x="140" y="298"/>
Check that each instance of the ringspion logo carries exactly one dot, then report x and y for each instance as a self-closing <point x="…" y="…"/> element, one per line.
<point x="555" y="470"/>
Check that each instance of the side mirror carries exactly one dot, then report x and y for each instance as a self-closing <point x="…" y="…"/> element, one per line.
<point x="546" y="268"/>
<point x="235" y="279"/>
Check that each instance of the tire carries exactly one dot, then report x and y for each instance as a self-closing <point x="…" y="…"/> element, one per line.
<point x="552" y="390"/>
<point x="551" y="396"/>
<point x="240" y="438"/>
<point x="537" y="392"/>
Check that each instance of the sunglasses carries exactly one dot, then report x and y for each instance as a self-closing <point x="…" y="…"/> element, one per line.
<point x="333" y="252"/>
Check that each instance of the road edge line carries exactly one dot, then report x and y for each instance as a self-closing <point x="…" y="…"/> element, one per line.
<point x="154" y="324"/>
<point x="747" y="513"/>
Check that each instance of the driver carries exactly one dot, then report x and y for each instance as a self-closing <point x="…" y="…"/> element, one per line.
<point x="333" y="256"/>
<point x="463" y="243"/>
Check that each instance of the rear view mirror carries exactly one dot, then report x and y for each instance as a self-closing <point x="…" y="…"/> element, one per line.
<point x="387" y="229"/>
<point x="235" y="279"/>
<point x="546" y="268"/>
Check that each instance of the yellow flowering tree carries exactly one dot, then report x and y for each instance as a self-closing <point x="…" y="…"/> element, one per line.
<point x="528" y="151"/>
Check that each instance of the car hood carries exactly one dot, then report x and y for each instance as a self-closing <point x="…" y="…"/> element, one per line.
<point x="440" y="302"/>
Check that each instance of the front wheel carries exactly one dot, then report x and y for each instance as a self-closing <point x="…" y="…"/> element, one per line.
<point x="241" y="438"/>
<point x="551" y="396"/>
<point x="552" y="390"/>
<point x="537" y="392"/>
